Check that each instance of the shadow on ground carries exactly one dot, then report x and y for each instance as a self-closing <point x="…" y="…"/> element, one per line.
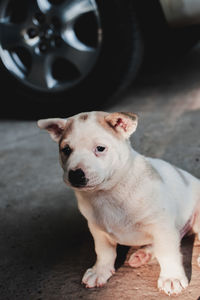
<point x="44" y="253"/>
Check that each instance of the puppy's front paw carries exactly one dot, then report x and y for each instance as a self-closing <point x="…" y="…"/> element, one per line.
<point x="94" y="277"/>
<point x="172" y="286"/>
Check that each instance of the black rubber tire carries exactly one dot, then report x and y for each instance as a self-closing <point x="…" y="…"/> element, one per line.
<point x="118" y="63"/>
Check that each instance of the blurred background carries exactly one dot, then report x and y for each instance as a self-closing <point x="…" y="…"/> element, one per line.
<point x="62" y="57"/>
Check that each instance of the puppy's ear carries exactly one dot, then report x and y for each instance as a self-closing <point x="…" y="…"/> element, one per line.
<point x="54" y="126"/>
<point x="124" y="123"/>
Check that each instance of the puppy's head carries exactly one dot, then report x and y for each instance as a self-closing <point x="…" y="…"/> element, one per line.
<point x="93" y="147"/>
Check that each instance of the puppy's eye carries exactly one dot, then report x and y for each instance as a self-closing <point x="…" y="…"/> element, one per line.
<point x="100" y="148"/>
<point x="66" y="150"/>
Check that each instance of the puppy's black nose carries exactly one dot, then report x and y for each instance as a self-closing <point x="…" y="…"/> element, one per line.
<point x="77" y="178"/>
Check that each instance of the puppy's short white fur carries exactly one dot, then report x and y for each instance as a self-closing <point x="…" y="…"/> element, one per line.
<point x="126" y="198"/>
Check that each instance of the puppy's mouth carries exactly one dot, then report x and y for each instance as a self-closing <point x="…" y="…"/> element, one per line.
<point x="88" y="185"/>
<point x="85" y="188"/>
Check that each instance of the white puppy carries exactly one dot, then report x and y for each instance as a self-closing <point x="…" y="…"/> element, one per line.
<point x="126" y="198"/>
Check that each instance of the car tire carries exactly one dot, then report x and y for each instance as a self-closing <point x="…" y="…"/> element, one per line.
<point x="118" y="62"/>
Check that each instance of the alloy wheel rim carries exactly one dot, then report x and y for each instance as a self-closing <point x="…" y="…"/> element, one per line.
<point x="48" y="49"/>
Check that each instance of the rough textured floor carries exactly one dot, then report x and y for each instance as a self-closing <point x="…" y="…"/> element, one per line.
<point x="45" y="246"/>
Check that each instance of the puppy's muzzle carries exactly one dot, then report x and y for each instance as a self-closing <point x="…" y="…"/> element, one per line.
<point x="77" y="178"/>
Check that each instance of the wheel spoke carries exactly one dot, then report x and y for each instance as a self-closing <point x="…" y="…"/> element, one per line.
<point x="35" y="7"/>
<point x="68" y="11"/>
<point x="38" y="5"/>
<point x="73" y="9"/>
<point x="11" y="35"/>
<point x="44" y="5"/>
<point x="80" y="55"/>
<point x="40" y="72"/>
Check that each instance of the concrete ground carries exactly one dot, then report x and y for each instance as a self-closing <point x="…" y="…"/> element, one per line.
<point x="45" y="246"/>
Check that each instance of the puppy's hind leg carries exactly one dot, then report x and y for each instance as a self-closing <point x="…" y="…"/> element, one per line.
<point x="196" y="227"/>
<point x="198" y="259"/>
<point x="141" y="256"/>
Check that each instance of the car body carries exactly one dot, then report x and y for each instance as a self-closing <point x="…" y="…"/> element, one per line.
<point x="181" y="12"/>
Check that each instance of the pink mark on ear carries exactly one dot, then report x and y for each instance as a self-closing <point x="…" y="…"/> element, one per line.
<point x="55" y="128"/>
<point x="121" y="124"/>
